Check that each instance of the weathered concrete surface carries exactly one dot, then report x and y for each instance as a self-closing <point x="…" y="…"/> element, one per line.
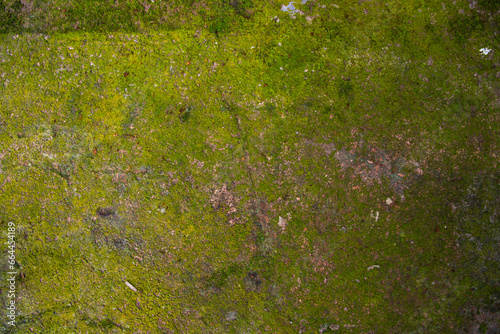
<point x="255" y="175"/>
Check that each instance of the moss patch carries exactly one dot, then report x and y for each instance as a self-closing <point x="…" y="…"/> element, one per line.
<point x="246" y="171"/>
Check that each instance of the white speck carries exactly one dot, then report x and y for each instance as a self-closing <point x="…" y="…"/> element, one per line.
<point x="50" y="156"/>
<point x="131" y="286"/>
<point x="282" y="223"/>
<point x="253" y="47"/>
<point x="305" y="70"/>
<point x="281" y="68"/>
<point x="484" y="51"/>
<point x="373" y="267"/>
<point x="374" y="216"/>
<point x="289" y="8"/>
<point x="388" y="201"/>
<point x="309" y="19"/>
<point x="162" y="210"/>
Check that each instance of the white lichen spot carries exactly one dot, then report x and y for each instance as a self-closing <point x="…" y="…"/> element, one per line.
<point x="282" y="222"/>
<point x="388" y="201"/>
<point x="484" y="51"/>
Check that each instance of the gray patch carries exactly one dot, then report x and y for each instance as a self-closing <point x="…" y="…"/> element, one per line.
<point x="231" y="315"/>
<point x="252" y="281"/>
<point x="104" y="212"/>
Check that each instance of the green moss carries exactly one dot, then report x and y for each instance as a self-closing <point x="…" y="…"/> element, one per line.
<point x="253" y="175"/>
<point x="462" y="28"/>
<point x="489" y="5"/>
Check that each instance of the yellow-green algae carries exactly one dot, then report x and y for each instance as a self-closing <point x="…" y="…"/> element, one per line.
<point x="201" y="132"/>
